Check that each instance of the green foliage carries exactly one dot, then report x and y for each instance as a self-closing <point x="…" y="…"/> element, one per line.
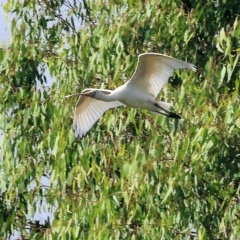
<point x="135" y="175"/>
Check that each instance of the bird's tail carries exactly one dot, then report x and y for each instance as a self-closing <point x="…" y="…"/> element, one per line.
<point x="165" y="106"/>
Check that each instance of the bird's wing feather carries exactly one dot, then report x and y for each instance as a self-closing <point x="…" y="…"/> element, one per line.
<point x="153" y="71"/>
<point x="88" y="111"/>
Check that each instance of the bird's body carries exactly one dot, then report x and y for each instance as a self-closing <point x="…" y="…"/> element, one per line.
<point x="140" y="91"/>
<point x="125" y="95"/>
<point x="135" y="98"/>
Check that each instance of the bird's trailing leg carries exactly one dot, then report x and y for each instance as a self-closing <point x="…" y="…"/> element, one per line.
<point x="174" y="115"/>
<point x="167" y="113"/>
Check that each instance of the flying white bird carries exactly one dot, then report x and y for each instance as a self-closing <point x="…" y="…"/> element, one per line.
<point x="152" y="72"/>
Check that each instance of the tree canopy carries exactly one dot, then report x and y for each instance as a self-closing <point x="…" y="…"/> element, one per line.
<point x="135" y="175"/>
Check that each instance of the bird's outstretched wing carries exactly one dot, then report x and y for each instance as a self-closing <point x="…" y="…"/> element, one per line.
<point x="89" y="110"/>
<point x="153" y="71"/>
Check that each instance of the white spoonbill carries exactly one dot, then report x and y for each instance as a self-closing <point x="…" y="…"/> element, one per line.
<point x="152" y="72"/>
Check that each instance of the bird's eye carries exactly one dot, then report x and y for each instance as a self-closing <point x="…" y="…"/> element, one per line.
<point x="94" y="93"/>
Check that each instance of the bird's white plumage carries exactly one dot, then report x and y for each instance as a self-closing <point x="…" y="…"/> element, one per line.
<point x="89" y="110"/>
<point x="152" y="72"/>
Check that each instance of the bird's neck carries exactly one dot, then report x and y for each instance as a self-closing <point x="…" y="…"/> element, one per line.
<point x="108" y="97"/>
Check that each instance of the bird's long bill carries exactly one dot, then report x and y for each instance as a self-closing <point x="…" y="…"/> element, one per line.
<point x="85" y="94"/>
<point x="88" y="93"/>
<point x="78" y="94"/>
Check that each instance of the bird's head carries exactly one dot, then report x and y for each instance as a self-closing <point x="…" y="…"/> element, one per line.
<point x="92" y="93"/>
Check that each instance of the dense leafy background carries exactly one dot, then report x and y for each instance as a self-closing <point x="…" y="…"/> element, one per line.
<point x="135" y="175"/>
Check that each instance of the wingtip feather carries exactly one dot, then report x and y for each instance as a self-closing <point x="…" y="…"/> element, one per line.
<point x="194" y="68"/>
